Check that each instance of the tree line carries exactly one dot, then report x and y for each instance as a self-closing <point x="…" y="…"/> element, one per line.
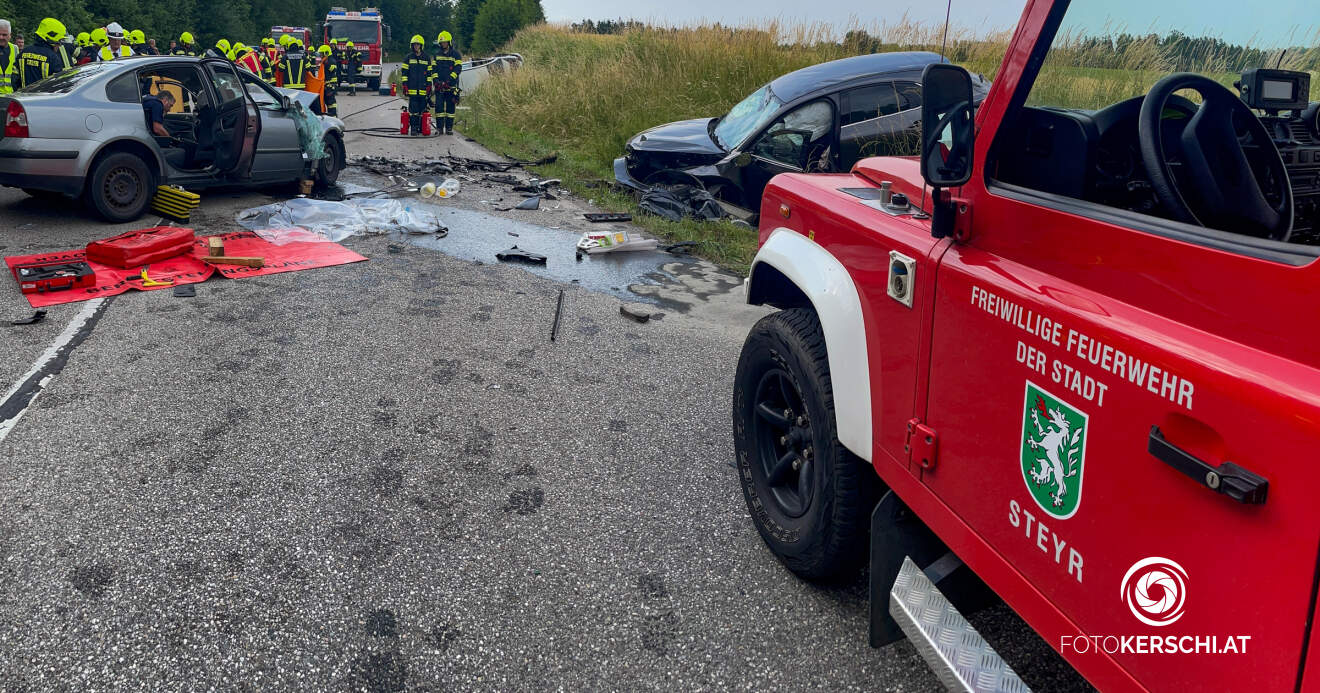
<point x="478" y="26"/>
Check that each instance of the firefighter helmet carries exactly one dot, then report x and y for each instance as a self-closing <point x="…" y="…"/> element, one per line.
<point x="138" y="37"/>
<point x="51" y="29"/>
<point x="186" y="38"/>
<point x="84" y="39"/>
<point x="444" y="37"/>
<point x="223" y="46"/>
<point x="99" y="37"/>
<point x="285" y="40"/>
<point x="348" y="45"/>
<point x="324" y="49"/>
<point x="417" y="40"/>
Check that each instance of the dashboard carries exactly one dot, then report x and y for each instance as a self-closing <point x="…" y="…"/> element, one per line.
<point x="1095" y="156"/>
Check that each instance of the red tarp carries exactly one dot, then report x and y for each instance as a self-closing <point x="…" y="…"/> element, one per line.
<point x="188" y="269"/>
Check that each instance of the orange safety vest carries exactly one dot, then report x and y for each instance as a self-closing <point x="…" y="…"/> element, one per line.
<point x="251" y="63"/>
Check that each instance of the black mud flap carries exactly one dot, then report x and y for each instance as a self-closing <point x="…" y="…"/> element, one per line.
<point x="897" y="533"/>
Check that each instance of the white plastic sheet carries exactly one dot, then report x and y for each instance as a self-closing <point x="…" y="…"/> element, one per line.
<point x="336" y="221"/>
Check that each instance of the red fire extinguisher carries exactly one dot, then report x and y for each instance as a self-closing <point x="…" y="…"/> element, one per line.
<point x="426" y="123"/>
<point x="403" y="122"/>
<point x="394" y="89"/>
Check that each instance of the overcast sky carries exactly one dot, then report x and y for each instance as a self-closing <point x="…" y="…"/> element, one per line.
<point x="1286" y="22"/>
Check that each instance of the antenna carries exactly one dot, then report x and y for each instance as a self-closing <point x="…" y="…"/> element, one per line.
<point x="1280" y="61"/>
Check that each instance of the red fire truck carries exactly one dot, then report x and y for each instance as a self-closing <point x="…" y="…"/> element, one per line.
<point x="1068" y="354"/>
<point x="301" y="33"/>
<point x="368" y="34"/>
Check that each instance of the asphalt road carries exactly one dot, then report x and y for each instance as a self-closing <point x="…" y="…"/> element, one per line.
<point x="384" y="476"/>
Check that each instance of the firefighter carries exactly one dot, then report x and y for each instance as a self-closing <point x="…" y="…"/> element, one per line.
<point x="248" y="59"/>
<point x="418" y="74"/>
<point x="270" y="52"/>
<point x="137" y="41"/>
<point x="8" y="59"/>
<point x="115" y="46"/>
<point x="448" y="65"/>
<point x="293" y="66"/>
<point x="331" y="72"/>
<point x="45" y="57"/>
<point x="354" y="65"/>
<point x="84" y="53"/>
<point x="185" y="46"/>
<point x="220" y="50"/>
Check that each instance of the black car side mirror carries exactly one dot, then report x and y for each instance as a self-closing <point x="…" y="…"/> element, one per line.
<point x="948" y="132"/>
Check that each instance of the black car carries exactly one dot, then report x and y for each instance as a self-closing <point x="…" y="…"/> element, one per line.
<point x="820" y="118"/>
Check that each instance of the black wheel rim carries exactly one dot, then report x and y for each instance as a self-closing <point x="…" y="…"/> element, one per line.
<point x="122" y="188"/>
<point x="785" y="448"/>
<point x="331" y="163"/>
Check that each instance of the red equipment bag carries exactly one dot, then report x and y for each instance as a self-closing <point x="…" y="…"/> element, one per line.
<point x="59" y="275"/>
<point x="137" y="248"/>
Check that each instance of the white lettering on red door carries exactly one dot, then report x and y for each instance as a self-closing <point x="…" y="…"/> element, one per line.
<point x="1044" y="539"/>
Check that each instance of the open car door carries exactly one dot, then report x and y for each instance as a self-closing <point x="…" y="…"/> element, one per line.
<point x="237" y="123"/>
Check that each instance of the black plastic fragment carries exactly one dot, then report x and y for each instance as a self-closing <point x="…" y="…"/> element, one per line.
<point x="185" y="291"/>
<point x="599" y="218"/>
<point x="36" y="318"/>
<point x="516" y="254"/>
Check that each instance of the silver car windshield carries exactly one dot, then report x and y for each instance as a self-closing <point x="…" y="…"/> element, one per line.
<point x="749" y="116"/>
<point x="68" y="80"/>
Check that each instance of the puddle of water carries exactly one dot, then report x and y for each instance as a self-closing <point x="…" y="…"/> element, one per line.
<point x="478" y="236"/>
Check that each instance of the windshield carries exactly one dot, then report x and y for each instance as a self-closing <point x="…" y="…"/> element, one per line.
<point x="68" y="80"/>
<point x="747" y="117"/>
<point x="1110" y="50"/>
<point x="275" y="34"/>
<point x="357" y="31"/>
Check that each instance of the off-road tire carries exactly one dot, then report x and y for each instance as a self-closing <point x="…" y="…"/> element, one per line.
<point x="120" y="187"/>
<point x="327" y="169"/>
<point x="827" y="535"/>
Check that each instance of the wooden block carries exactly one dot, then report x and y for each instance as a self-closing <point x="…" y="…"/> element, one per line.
<point x="215" y="246"/>
<point x="234" y="260"/>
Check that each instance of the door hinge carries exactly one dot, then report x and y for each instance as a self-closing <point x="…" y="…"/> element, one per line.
<point x="962" y="219"/>
<point x="922" y="445"/>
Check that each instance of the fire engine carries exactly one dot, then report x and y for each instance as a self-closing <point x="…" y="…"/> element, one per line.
<point x="301" y="33"/>
<point x="368" y="35"/>
<point x="1066" y="354"/>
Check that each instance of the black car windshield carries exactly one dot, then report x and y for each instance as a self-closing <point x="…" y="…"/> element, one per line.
<point x="355" y="30"/>
<point x="68" y="80"/>
<point x="747" y="117"/>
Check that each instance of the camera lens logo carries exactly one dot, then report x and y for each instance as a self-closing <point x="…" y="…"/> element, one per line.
<point x="1155" y="589"/>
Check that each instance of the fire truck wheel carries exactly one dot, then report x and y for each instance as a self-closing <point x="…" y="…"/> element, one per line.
<point x="808" y="495"/>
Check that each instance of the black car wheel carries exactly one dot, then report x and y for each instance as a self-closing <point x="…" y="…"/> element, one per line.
<point x="808" y="495"/>
<point x="120" y="187"/>
<point x="327" y="170"/>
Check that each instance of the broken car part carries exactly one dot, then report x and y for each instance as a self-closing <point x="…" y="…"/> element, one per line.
<point x="604" y="217"/>
<point x="559" y="307"/>
<point x="41" y="314"/>
<point x="529" y="203"/>
<point x="516" y="254"/>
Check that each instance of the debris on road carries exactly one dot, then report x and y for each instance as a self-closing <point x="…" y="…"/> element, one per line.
<point x="516" y="254"/>
<point x="604" y="217"/>
<point x="185" y="291"/>
<point x="639" y="312"/>
<point x="559" y="307"/>
<point x="443" y="165"/>
<point x="41" y="314"/>
<point x="339" y="220"/>
<point x="529" y="203"/>
<point x="594" y="242"/>
<point x="674" y="202"/>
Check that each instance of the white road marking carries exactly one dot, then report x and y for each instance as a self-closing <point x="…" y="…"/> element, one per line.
<point x="47" y="357"/>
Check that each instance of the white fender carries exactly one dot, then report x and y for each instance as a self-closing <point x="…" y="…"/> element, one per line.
<point x="833" y="294"/>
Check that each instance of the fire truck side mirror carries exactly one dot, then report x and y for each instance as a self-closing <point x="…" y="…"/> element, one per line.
<point x="947" y="130"/>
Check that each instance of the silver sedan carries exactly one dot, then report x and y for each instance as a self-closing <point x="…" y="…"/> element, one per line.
<point x="84" y="133"/>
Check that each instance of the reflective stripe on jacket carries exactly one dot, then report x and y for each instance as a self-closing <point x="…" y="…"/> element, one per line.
<point x="8" y="68"/>
<point x="418" y="73"/>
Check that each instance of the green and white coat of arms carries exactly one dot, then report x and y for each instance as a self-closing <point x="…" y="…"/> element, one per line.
<point x="1053" y="451"/>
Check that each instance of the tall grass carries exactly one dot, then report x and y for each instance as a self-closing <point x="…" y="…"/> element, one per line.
<point x="584" y="95"/>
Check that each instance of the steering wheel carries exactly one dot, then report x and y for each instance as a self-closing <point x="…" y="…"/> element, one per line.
<point x="1219" y="184"/>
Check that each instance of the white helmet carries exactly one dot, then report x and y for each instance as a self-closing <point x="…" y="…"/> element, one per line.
<point x="114" y="31"/>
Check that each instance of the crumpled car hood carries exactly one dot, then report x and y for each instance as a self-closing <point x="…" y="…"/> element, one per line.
<point x="682" y="137"/>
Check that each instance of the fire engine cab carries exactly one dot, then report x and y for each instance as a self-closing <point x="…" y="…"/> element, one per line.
<point x="368" y="35"/>
<point x="1067" y="354"/>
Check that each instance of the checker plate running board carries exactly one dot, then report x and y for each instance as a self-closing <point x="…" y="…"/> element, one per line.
<point x="959" y="656"/>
